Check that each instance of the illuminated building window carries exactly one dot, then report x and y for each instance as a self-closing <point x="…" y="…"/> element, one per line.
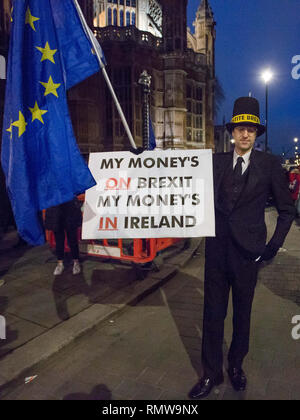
<point x="127" y="18"/>
<point x="122" y="18"/>
<point x="109" y="16"/>
<point x="133" y="18"/>
<point x="115" y="17"/>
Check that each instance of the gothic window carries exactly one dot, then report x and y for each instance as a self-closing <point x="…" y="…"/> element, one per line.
<point x="188" y="91"/>
<point x="122" y="82"/>
<point x="198" y="122"/>
<point x="169" y="44"/>
<point x="127" y="18"/>
<point x="122" y="18"/>
<point x="127" y="2"/>
<point x="189" y="120"/>
<point x="178" y="44"/>
<point x="155" y="13"/>
<point x="133" y="18"/>
<point x="109" y="16"/>
<point x="199" y="136"/>
<point x="115" y="17"/>
<point x="199" y="94"/>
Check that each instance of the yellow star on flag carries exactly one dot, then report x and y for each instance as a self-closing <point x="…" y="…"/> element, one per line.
<point x="10" y="129"/>
<point x="37" y="113"/>
<point x="50" y="87"/>
<point x="47" y="53"/>
<point x="21" y="124"/>
<point x="30" y="19"/>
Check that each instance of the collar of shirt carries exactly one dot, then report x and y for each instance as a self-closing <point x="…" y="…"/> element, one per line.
<point x="246" y="158"/>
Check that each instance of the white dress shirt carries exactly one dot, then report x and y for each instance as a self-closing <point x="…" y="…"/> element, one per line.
<point x="245" y="165"/>
<point x="246" y="158"/>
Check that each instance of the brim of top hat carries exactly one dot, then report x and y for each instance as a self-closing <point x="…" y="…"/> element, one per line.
<point x="260" y="128"/>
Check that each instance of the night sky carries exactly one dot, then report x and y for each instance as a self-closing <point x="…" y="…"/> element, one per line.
<point x="251" y="36"/>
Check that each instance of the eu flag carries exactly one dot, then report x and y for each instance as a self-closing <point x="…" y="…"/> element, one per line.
<point x="49" y="52"/>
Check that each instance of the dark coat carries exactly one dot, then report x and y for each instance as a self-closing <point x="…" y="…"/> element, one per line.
<point x="246" y="222"/>
<point x="64" y="216"/>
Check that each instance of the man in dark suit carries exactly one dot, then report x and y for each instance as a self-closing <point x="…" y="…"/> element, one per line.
<point x="243" y="181"/>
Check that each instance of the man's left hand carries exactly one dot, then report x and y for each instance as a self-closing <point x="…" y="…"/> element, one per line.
<point x="269" y="252"/>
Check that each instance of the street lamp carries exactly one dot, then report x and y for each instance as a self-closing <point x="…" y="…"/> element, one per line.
<point x="266" y="76"/>
<point x="295" y="140"/>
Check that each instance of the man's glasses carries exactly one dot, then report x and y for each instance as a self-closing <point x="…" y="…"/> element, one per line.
<point x="241" y="129"/>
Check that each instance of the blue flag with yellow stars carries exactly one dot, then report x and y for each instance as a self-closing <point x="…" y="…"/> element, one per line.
<point x="49" y="53"/>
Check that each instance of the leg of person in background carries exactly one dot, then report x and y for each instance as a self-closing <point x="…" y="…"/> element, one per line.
<point x="60" y="251"/>
<point x="20" y="242"/>
<point x="73" y="244"/>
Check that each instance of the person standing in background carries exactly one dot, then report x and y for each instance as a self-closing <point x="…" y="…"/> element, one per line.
<point x="294" y="183"/>
<point x="61" y="219"/>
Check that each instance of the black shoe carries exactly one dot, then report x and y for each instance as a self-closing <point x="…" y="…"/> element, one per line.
<point x="204" y="386"/>
<point x="238" y="378"/>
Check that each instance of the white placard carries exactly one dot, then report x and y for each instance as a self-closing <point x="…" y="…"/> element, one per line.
<point x="157" y="194"/>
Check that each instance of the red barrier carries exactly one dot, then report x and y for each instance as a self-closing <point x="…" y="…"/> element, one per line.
<point x="139" y="251"/>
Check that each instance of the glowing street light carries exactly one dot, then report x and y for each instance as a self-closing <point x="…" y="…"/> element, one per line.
<point x="267" y="77"/>
<point x="295" y="140"/>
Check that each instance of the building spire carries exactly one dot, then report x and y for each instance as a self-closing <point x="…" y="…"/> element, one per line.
<point x="204" y="10"/>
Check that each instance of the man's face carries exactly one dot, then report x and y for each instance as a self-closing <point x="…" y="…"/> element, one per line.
<point x="244" y="137"/>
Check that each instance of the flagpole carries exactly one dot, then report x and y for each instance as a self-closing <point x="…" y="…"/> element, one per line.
<point x="93" y="42"/>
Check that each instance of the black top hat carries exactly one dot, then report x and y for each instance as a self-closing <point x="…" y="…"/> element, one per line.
<point x="246" y="112"/>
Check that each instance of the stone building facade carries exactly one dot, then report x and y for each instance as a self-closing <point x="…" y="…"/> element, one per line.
<point x="138" y="35"/>
<point x="151" y="35"/>
<point x="223" y="139"/>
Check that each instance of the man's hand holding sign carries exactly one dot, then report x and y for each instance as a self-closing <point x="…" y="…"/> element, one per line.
<point x="150" y="195"/>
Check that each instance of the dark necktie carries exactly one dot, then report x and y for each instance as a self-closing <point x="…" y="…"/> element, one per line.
<point x="237" y="173"/>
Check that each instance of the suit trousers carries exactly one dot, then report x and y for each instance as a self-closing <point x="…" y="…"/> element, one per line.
<point x="226" y="268"/>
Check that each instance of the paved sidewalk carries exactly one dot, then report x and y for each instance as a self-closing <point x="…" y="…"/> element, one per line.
<point x="44" y="313"/>
<point x="152" y="351"/>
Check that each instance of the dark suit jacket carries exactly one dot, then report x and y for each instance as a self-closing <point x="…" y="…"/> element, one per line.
<point x="246" y="222"/>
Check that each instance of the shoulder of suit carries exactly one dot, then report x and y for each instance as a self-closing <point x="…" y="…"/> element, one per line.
<point x="267" y="157"/>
